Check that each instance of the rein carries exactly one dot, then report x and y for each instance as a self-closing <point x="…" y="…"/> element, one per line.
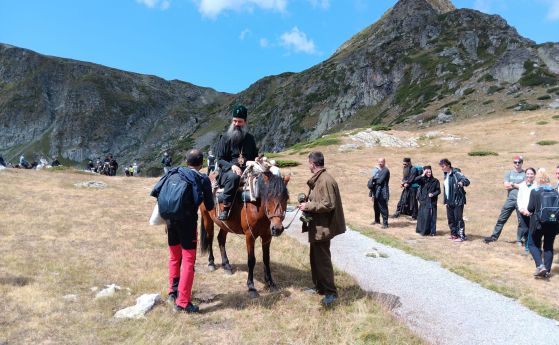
<point x="291" y="222"/>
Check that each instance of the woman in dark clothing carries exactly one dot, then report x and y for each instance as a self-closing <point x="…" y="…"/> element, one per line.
<point x="539" y="228"/>
<point x="429" y="190"/>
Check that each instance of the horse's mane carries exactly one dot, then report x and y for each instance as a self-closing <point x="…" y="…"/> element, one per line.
<point x="274" y="189"/>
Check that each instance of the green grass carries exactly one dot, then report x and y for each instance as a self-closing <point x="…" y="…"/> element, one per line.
<point x="547" y="142"/>
<point x="489" y="101"/>
<point x="326" y="140"/>
<point x="469" y="91"/>
<point x="544" y="97"/>
<point x="381" y="128"/>
<point x="555" y="117"/>
<point x="272" y="154"/>
<point x="552" y="90"/>
<point x="493" y="88"/>
<point x="482" y="153"/>
<point x="541" y="308"/>
<point x="541" y="123"/>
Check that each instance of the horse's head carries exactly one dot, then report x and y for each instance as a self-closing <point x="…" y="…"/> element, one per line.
<point x="274" y="195"/>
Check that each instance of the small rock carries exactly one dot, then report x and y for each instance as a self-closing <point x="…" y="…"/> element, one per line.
<point x="91" y="184"/>
<point x="204" y="297"/>
<point x="348" y="147"/>
<point x="375" y="253"/>
<point x="70" y="297"/>
<point x="144" y="303"/>
<point x="554" y="104"/>
<point x="108" y="291"/>
<point x="445" y="116"/>
<point x="93" y="289"/>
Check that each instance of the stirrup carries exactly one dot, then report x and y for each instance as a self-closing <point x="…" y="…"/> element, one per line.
<point x="224" y="215"/>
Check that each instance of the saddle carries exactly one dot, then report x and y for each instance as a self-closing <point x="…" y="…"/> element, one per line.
<point x="248" y="187"/>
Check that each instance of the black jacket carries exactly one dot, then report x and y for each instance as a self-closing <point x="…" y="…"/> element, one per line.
<point x="227" y="153"/>
<point x="381" y="178"/>
<point x="534" y="204"/>
<point x="456" y="194"/>
<point x="428" y="185"/>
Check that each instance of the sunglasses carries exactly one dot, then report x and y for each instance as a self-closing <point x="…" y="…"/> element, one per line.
<point x="517" y="162"/>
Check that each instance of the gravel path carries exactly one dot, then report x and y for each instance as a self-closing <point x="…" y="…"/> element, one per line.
<point x="439" y="305"/>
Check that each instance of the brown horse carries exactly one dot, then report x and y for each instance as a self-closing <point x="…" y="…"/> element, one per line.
<point x="262" y="218"/>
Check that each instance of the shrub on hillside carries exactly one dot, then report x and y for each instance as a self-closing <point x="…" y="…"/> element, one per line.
<point x="547" y="142"/>
<point x="283" y="163"/>
<point x="544" y="97"/>
<point x="381" y="128"/>
<point x="555" y="117"/>
<point x="542" y="123"/>
<point x="482" y="153"/>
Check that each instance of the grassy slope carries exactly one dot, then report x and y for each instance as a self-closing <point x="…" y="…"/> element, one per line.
<point x="58" y="239"/>
<point x="500" y="266"/>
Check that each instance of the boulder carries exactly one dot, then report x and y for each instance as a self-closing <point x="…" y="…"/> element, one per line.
<point x="144" y="303"/>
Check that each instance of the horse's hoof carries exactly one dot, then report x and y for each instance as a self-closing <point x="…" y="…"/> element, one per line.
<point x="211" y="268"/>
<point x="273" y="288"/>
<point x="253" y="294"/>
<point x="228" y="269"/>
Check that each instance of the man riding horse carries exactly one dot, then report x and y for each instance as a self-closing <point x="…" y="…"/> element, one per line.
<point x="234" y="149"/>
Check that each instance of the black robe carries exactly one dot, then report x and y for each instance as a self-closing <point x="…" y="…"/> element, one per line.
<point x="427" y="205"/>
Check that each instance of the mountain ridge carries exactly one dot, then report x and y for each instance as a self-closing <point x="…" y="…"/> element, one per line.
<point x="401" y="70"/>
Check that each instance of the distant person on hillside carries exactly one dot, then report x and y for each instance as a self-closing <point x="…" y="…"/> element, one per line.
<point x="23" y="163"/>
<point x="182" y="236"/>
<point x="274" y="168"/>
<point x="2" y="162"/>
<point x="135" y="168"/>
<point x="524" y="189"/>
<point x="113" y="165"/>
<point x="98" y="165"/>
<point x="429" y="190"/>
<point x="90" y="166"/>
<point x="543" y="206"/>
<point x="454" y="199"/>
<point x="511" y="182"/>
<point x="408" y="201"/>
<point x="324" y="205"/>
<point x="55" y="162"/>
<point x="211" y="161"/>
<point x="379" y="192"/>
<point x="166" y="161"/>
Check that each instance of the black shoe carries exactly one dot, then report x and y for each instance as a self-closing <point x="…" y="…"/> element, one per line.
<point x="395" y="215"/>
<point x="190" y="308"/>
<point x="171" y="299"/>
<point x="489" y="239"/>
<point x="385" y="226"/>
<point x="223" y="215"/>
<point x="328" y="300"/>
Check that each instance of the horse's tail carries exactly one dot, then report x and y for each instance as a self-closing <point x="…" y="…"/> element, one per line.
<point x="205" y="228"/>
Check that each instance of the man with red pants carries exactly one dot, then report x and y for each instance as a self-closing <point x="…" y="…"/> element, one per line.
<point x="182" y="235"/>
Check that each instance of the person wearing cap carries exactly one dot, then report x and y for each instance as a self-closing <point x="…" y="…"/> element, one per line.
<point x="235" y="148"/>
<point x="512" y="180"/>
<point x="408" y="201"/>
<point x="454" y="199"/>
<point x="211" y="161"/>
<point x="429" y="191"/>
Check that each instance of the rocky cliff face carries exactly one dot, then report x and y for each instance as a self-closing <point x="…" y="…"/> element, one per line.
<point x="422" y="55"/>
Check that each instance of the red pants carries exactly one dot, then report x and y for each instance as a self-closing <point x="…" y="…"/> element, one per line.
<point x="181" y="266"/>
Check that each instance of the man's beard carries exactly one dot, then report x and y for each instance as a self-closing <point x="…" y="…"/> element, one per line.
<point x="236" y="134"/>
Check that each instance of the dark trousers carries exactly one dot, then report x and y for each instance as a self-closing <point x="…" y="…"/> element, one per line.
<point x="380" y="206"/>
<point x="321" y="268"/>
<point x="523" y="228"/>
<point x="508" y="208"/>
<point x="455" y="221"/>
<point x="535" y="244"/>
<point x="230" y="182"/>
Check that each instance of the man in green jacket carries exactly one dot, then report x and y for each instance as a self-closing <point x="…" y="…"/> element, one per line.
<point x="324" y="206"/>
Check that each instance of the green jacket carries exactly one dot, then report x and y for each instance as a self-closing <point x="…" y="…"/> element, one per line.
<point x="325" y="208"/>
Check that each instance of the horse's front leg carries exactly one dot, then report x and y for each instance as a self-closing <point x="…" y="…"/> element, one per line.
<point x="207" y="238"/>
<point x="251" y="262"/>
<point x="221" y="239"/>
<point x="266" y="259"/>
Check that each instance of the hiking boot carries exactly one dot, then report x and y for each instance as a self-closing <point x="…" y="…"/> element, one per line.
<point x="171" y="299"/>
<point x="489" y="239"/>
<point x="395" y="215"/>
<point x="224" y="215"/>
<point x="541" y="271"/>
<point x="189" y="309"/>
<point x="328" y="300"/>
<point x="458" y="239"/>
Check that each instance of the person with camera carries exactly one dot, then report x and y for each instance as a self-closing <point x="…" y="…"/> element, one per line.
<point x="454" y="199"/>
<point x="324" y="206"/>
<point x="379" y="192"/>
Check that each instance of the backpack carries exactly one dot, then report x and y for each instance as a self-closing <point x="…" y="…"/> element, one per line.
<point x="419" y="169"/>
<point x="179" y="197"/>
<point x="548" y="212"/>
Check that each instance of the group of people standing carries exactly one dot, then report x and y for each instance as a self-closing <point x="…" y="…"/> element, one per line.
<point x="420" y="192"/>
<point x="535" y="201"/>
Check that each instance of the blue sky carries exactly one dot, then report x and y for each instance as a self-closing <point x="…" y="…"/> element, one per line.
<point x="223" y="44"/>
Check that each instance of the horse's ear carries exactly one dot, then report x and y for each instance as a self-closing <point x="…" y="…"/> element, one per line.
<point x="286" y="179"/>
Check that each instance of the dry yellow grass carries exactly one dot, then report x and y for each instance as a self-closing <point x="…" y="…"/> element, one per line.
<point x="501" y="266"/>
<point x="57" y="239"/>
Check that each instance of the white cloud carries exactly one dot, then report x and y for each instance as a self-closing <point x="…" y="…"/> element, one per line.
<point x="553" y="13"/>
<point x="264" y="43"/>
<point x="490" y="6"/>
<point x="325" y="4"/>
<point x="244" y="34"/>
<point x="162" y="4"/>
<point x="483" y="6"/>
<point x="297" y="41"/>
<point x="212" y="8"/>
